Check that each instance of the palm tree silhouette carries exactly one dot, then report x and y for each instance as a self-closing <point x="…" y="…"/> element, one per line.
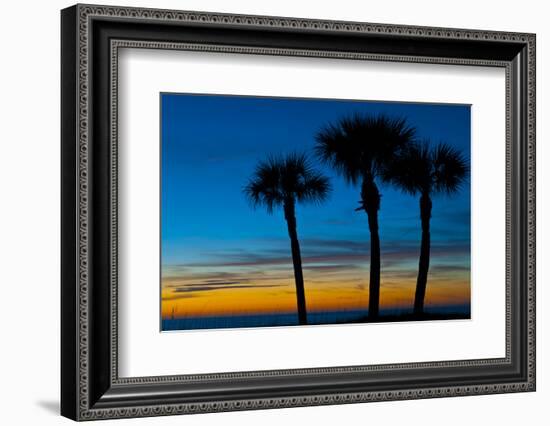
<point x="425" y="170"/>
<point x="359" y="148"/>
<point x="284" y="182"/>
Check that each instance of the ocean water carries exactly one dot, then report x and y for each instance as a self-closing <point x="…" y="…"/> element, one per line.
<point x="314" y="318"/>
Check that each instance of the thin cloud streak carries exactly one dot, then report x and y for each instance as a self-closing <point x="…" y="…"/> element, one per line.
<point x="196" y="288"/>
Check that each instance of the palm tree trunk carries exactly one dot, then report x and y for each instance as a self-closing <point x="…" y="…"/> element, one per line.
<point x="424" y="262"/>
<point x="290" y="217"/>
<point x="370" y="197"/>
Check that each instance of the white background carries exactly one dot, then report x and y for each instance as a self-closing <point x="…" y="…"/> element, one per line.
<point x="29" y="225"/>
<point x="140" y="343"/>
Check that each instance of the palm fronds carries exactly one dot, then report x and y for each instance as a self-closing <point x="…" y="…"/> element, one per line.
<point x="280" y="179"/>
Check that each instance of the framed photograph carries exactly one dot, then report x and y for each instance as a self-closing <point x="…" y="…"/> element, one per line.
<point x="263" y="212"/>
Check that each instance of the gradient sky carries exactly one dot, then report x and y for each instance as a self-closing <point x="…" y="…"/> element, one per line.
<point x="222" y="257"/>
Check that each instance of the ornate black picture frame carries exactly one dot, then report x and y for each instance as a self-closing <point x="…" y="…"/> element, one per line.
<point x="91" y="387"/>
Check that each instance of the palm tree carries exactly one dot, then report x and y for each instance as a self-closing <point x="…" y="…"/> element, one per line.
<point x="284" y="182"/>
<point x="359" y="148"/>
<point x="425" y="170"/>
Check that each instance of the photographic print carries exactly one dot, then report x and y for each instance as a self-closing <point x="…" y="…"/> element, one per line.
<point x="292" y="211"/>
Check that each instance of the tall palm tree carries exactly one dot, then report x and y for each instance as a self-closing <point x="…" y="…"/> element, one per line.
<point x="426" y="170"/>
<point x="359" y="148"/>
<point x="284" y="182"/>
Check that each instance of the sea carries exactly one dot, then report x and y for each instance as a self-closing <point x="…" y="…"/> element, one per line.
<point x="314" y="318"/>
